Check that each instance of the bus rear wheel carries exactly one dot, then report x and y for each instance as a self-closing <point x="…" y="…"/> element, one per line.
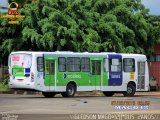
<point x="48" y="94"/>
<point x="70" y="91"/>
<point x="130" y="91"/>
<point x="108" y="93"/>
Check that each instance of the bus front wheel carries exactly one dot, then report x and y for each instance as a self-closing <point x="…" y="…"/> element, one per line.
<point x="130" y="91"/>
<point x="108" y="93"/>
<point x="70" y="91"/>
<point x="48" y="94"/>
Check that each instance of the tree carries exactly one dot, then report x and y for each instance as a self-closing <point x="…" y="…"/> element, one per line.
<point x="10" y="36"/>
<point x="21" y="3"/>
<point x="81" y="25"/>
<point x="155" y="21"/>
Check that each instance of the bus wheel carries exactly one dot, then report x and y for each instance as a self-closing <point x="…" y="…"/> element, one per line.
<point x="48" y="94"/>
<point x="130" y="91"/>
<point x="70" y="91"/>
<point x="108" y="93"/>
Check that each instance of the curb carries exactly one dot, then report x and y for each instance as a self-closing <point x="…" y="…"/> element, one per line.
<point x="6" y="92"/>
<point x="23" y="92"/>
<point x="19" y="92"/>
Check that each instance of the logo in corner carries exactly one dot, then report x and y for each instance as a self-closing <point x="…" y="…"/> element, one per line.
<point x="65" y="76"/>
<point x="13" y="13"/>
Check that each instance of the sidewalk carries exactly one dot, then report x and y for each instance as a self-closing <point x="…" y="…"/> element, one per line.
<point x="19" y="92"/>
<point x="95" y="93"/>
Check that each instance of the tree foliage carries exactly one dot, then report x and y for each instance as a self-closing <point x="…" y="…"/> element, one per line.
<point x="81" y="25"/>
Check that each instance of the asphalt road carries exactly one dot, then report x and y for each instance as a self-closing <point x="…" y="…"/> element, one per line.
<point x="11" y="104"/>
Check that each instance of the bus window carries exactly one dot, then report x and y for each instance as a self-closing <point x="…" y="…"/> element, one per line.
<point x="50" y="67"/>
<point x="73" y="64"/>
<point x="47" y="67"/>
<point x="40" y="64"/>
<point x="96" y="67"/>
<point x="85" y="65"/>
<point x="93" y="67"/>
<point x="129" y="65"/>
<point x="115" y="65"/>
<point x="62" y="64"/>
<point x="106" y="65"/>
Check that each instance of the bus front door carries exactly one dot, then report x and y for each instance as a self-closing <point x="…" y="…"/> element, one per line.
<point x="49" y="80"/>
<point x="115" y="70"/>
<point x="96" y="74"/>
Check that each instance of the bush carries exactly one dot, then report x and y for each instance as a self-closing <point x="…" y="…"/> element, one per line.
<point x="4" y="83"/>
<point x="4" y="86"/>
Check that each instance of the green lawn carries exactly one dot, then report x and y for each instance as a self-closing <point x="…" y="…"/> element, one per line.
<point x="3" y="87"/>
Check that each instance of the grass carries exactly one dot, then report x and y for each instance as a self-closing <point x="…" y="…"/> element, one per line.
<point x="4" y="86"/>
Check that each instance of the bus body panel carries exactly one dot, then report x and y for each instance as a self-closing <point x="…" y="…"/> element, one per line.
<point x="38" y="74"/>
<point x="134" y="76"/>
<point x="82" y="79"/>
<point x="20" y="70"/>
<point x="102" y="73"/>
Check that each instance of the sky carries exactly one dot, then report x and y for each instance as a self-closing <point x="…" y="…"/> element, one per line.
<point x="3" y="3"/>
<point x="153" y="5"/>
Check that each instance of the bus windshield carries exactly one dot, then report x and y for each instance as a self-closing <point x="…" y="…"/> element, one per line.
<point x="21" y="60"/>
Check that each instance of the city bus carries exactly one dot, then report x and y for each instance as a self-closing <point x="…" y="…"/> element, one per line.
<point x="66" y="73"/>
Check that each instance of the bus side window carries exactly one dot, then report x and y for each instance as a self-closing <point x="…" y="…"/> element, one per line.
<point x="129" y="65"/>
<point x="73" y="64"/>
<point x="47" y="69"/>
<point x="62" y="64"/>
<point x="40" y="64"/>
<point x="85" y="65"/>
<point x="115" y="65"/>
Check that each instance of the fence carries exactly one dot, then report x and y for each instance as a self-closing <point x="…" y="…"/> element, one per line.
<point x="3" y="73"/>
<point x="154" y="70"/>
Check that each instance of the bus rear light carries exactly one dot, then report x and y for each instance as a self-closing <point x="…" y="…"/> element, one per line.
<point x="20" y="80"/>
<point x="8" y="75"/>
<point x="32" y="77"/>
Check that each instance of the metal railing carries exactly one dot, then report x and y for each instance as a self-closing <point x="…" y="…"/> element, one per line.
<point x="4" y="73"/>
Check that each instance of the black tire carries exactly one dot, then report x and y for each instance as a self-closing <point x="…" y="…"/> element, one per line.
<point x="48" y="94"/>
<point x="108" y="93"/>
<point x="70" y="91"/>
<point x="131" y="89"/>
<point x="64" y="94"/>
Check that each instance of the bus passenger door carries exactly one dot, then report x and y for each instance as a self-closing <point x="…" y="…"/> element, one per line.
<point x="49" y="80"/>
<point x="96" y="74"/>
<point x="141" y="76"/>
<point x="115" y="70"/>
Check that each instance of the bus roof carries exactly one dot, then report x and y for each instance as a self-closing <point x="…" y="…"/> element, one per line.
<point x="78" y="54"/>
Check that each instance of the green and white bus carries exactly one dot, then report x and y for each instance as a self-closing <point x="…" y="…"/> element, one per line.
<point x="69" y="72"/>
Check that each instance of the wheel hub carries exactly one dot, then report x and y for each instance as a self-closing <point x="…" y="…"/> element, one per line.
<point x="70" y="90"/>
<point x="129" y="90"/>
